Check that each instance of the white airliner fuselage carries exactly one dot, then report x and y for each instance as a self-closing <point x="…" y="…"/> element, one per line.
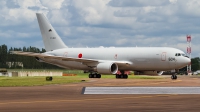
<point x="137" y="58"/>
<point x="105" y="60"/>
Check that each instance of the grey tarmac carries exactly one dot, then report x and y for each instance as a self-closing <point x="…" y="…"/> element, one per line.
<point x="69" y="97"/>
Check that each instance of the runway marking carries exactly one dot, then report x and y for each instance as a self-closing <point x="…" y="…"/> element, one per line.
<point x="132" y="84"/>
<point x="129" y="83"/>
<point x="141" y="90"/>
<point x="94" y="99"/>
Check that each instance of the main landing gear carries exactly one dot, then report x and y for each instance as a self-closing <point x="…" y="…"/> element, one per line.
<point x="94" y="75"/>
<point x="122" y="75"/>
<point x="174" y="77"/>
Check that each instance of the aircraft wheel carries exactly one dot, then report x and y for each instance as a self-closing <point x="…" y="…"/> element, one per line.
<point x="173" y="77"/>
<point x="90" y="76"/>
<point x="95" y="75"/>
<point x="116" y="76"/>
<point x="99" y="76"/>
<point x="122" y="76"/>
<point x="125" y="76"/>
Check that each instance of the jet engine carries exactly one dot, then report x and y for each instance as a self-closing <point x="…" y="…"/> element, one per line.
<point x="38" y="59"/>
<point x="107" y="68"/>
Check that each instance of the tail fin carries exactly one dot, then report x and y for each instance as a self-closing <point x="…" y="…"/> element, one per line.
<point x="50" y="37"/>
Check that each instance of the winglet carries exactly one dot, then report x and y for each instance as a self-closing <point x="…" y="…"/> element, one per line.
<point x="51" y="39"/>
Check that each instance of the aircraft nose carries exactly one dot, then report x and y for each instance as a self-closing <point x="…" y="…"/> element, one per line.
<point x="184" y="61"/>
<point x="187" y="61"/>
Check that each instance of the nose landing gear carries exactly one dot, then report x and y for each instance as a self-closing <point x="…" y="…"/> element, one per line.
<point x="174" y="76"/>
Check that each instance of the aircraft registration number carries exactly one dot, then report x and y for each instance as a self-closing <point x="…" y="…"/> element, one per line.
<point x="52" y="37"/>
<point x="171" y="59"/>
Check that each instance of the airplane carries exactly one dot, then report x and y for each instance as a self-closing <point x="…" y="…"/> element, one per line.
<point x="106" y="60"/>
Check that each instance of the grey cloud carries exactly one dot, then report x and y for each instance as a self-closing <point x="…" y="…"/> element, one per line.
<point x="34" y="8"/>
<point x="126" y="20"/>
<point x="137" y="3"/>
<point x="76" y="18"/>
<point x="12" y="4"/>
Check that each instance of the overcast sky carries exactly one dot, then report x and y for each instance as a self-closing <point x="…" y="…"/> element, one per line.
<point x="94" y="23"/>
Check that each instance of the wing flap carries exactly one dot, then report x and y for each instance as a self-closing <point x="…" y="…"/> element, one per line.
<point x="27" y="53"/>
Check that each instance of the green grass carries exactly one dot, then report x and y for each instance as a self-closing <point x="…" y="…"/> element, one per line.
<point x="53" y="70"/>
<point x="35" y="81"/>
<point x="132" y="77"/>
<point x="40" y="81"/>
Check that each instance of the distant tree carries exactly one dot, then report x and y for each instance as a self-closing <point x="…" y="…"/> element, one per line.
<point x="28" y="62"/>
<point x="3" y="56"/>
<point x="195" y="64"/>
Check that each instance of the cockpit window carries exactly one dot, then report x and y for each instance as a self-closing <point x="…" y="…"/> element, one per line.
<point x="180" y="54"/>
<point x="183" y="54"/>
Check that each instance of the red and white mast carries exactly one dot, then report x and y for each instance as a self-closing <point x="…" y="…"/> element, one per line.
<point x="189" y="51"/>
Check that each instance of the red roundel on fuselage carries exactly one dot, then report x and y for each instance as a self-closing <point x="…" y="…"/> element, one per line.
<point x="80" y="55"/>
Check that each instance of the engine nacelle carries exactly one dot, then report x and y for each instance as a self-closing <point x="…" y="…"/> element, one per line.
<point x="38" y="59"/>
<point x="107" y="68"/>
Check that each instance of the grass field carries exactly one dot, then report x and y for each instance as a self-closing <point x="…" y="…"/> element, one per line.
<point x="39" y="81"/>
<point x="34" y="81"/>
<point x="53" y="70"/>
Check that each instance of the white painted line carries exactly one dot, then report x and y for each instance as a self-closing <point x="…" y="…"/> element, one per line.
<point x="141" y="90"/>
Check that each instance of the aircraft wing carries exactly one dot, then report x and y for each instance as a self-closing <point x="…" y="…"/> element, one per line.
<point x="47" y="56"/>
<point x="83" y="60"/>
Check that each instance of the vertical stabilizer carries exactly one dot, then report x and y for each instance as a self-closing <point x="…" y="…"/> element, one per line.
<point x="51" y="39"/>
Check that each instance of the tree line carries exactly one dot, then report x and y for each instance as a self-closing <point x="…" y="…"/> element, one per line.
<point x="195" y="65"/>
<point x="9" y="60"/>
